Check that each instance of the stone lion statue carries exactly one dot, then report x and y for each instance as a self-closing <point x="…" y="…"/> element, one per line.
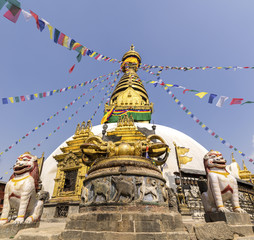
<point x="221" y="185"/>
<point x="21" y="191"/>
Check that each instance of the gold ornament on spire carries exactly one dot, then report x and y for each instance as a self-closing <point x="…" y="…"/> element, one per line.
<point x="130" y="95"/>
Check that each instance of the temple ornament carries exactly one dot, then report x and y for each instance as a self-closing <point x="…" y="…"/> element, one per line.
<point x="222" y="186"/>
<point x="21" y="191"/>
<point x="153" y="147"/>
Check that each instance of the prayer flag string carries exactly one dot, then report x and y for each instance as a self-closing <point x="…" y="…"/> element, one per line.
<point x="29" y="97"/>
<point x="146" y="66"/>
<point x="108" y="93"/>
<point x="56" y="114"/>
<point x="204" y="126"/>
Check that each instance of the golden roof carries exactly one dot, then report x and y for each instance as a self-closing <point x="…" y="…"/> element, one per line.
<point x="132" y="53"/>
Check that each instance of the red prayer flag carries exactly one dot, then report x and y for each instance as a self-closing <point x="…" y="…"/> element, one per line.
<point x="9" y="15"/>
<point x="236" y="101"/>
<point x="71" y="69"/>
<point x="44" y="94"/>
<point x="61" y="39"/>
<point x="184" y="91"/>
<point x="97" y="56"/>
<point x="36" y="19"/>
<point x="22" y="98"/>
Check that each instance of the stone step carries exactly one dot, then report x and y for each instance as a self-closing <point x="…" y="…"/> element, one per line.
<point x="245" y="238"/>
<point x="46" y="231"/>
<point x="87" y="235"/>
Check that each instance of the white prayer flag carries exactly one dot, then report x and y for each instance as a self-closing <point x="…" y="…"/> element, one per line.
<point x="26" y="15"/>
<point x="221" y="101"/>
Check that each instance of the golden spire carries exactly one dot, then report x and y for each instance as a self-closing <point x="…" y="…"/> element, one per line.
<point x="130" y="94"/>
<point x="233" y="159"/>
<point x="244" y="166"/>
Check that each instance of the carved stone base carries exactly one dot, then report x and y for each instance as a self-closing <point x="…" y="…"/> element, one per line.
<point x="125" y="225"/>
<point x="10" y="230"/>
<point x="230" y="218"/>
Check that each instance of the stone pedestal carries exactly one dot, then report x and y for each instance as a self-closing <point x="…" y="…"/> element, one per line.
<point x="10" y="230"/>
<point x="230" y="218"/>
<point x="125" y="226"/>
<point x="238" y="223"/>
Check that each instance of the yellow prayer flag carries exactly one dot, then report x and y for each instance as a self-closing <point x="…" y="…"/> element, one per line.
<point x="83" y="50"/>
<point x="11" y="99"/>
<point x="36" y="128"/>
<point x="66" y="107"/>
<point x="170" y="85"/>
<point x="65" y="41"/>
<point x="203" y="126"/>
<point x="182" y="150"/>
<point x="54" y="91"/>
<point x="69" y="118"/>
<point x="152" y="82"/>
<point x="184" y="159"/>
<point x="177" y="100"/>
<point x="79" y="97"/>
<point x="50" y="134"/>
<point x="50" y="31"/>
<point x="92" y="54"/>
<point x="201" y="94"/>
<point x="219" y="67"/>
<point x="6" y="172"/>
<point x="68" y="88"/>
<point x="36" y="94"/>
<point x="165" y="88"/>
<point x="82" y="84"/>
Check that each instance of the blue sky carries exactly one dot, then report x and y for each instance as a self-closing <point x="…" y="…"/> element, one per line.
<point x="174" y="33"/>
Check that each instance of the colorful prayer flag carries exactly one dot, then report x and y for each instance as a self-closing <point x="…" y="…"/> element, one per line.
<point x="2" y="3"/>
<point x="211" y="97"/>
<point x="201" y="94"/>
<point x="13" y="14"/>
<point x="36" y="19"/>
<point x="61" y="39"/>
<point x="71" y="69"/>
<point x="41" y="24"/>
<point x="247" y="102"/>
<point x="236" y="101"/>
<point x="26" y="15"/>
<point x="221" y="101"/>
<point x="56" y="35"/>
<point x="50" y="31"/>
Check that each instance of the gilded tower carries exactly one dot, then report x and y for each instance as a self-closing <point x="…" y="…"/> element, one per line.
<point x="130" y="96"/>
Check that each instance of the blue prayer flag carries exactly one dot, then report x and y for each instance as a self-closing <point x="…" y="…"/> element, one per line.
<point x="211" y="97"/>
<point x="41" y="24"/>
<point x="56" y="35"/>
<point x="5" y="100"/>
<point x="31" y="97"/>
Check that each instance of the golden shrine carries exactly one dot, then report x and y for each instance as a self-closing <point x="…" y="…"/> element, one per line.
<point x="71" y="169"/>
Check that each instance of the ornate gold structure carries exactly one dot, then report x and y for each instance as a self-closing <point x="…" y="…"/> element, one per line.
<point x="71" y="169"/>
<point x="244" y="174"/>
<point x="129" y="142"/>
<point x="130" y="93"/>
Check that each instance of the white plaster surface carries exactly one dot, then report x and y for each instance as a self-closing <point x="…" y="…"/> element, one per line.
<point x="197" y="152"/>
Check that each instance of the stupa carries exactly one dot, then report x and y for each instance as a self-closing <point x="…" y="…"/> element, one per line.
<point x="120" y="178"/>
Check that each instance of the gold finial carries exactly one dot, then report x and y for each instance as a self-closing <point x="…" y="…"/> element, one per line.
<point x="244" y="166"/>
<point x="132" y="47"/>
<point x="233" y="159"/>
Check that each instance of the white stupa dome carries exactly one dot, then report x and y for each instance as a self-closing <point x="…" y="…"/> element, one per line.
<point x="170" y="135"/>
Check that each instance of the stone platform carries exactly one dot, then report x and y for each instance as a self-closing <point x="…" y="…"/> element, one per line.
<point x="125" y="226"/>
<point x="10" y="230"/>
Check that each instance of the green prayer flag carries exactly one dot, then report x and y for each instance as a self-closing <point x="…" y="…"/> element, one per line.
<point x="2" y="3"/>
<point x="79" y="57"/>
<point x="15" y="3"/>
<point x="247" y="102"/>
<point x="193" y="91"/>
<point x="16" y="99"/>
<point x="40" y="95"/>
